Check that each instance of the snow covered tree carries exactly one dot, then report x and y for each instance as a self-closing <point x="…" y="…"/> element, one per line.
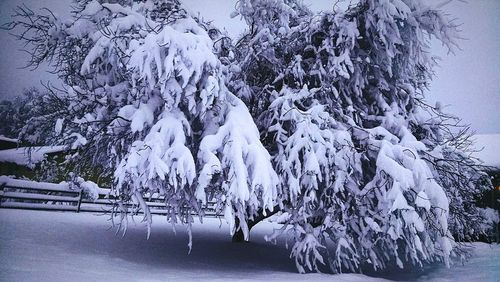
<point x="339" y="100"/>
<point x="328" y="122"/>
<point x="15" y="113"/>
<point x="145" y="98"/>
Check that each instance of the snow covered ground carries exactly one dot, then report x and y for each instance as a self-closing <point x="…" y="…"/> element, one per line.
<point x="54" y="246"/>
<point x="28" y="156"/>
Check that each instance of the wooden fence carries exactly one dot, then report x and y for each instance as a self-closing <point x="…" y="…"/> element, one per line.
<point x="23" y="194"/>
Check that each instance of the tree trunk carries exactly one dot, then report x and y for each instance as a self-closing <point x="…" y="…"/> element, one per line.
<point x="239" y="237"/>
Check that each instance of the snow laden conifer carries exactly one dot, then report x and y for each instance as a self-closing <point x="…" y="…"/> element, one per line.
<point x="341" y="108"/>
<point x="147" y="100"/>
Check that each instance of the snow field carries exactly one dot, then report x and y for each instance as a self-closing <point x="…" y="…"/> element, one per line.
<point x="53" y="246"/>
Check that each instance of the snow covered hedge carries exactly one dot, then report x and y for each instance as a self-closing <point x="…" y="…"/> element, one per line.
<point x="320" y="117"/>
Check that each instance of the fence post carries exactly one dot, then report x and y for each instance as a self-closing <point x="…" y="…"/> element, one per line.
<point x="2" y="186"/>
<point x="80" y="196"/>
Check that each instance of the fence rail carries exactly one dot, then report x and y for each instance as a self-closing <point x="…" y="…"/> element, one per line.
<point x="30" y="195"/>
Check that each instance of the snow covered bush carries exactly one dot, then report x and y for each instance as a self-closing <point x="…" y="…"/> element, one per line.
<point x="89" y="189"/>
<point x="327" y="123"/>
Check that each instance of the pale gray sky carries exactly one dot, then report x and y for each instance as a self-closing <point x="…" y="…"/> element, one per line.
<point x="468" y="83"/>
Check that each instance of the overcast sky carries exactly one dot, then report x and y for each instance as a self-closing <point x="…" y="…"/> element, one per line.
<point x="468" y="83"/>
